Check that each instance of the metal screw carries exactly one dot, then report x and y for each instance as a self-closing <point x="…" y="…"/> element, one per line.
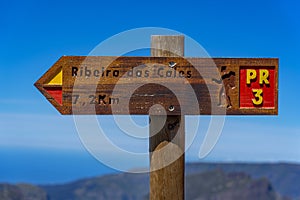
<point x="171" y="108"/>
<point x="172" y="64"/>
<point x="171" y="126"/>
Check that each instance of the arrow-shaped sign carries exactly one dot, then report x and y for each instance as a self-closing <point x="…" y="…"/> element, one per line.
<point x="189" y="86"/>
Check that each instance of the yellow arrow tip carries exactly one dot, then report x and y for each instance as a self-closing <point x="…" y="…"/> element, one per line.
<point x="57" y="80"/>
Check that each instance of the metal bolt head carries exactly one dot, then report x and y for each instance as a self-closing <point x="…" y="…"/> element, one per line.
<point x="171" y="108"/>
<point x="172" y="64"/>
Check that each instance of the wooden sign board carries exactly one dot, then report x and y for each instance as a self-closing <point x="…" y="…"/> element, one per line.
<point x="131" y="85"/>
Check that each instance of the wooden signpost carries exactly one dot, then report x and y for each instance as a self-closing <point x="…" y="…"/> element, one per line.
<point x="132" y="85"/>
<point x="249" y="85"/>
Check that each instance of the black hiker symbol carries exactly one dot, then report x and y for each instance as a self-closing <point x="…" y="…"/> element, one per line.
<point x="228" y="82"/>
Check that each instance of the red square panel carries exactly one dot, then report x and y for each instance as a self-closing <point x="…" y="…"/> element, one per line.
<point x="257" y="87"/>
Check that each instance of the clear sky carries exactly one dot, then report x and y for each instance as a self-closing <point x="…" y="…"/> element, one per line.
<point x="39" y="145"/>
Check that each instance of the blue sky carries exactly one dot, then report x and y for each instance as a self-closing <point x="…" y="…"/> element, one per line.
<point x="39" y="145"/>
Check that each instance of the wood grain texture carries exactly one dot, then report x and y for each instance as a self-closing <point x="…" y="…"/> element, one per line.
<point x="159" y="84"/>
<point x="168" y="182"/>
<point x="167" y="46"/>
<point x="167" y="144"/>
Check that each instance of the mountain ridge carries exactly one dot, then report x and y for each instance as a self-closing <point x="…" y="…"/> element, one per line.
<point x="214" y="181"/>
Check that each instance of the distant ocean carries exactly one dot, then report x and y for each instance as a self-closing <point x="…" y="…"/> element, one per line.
<point x="47" y="167"/>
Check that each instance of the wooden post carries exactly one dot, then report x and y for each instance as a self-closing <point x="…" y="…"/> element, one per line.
<point x="168" y="144"/>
